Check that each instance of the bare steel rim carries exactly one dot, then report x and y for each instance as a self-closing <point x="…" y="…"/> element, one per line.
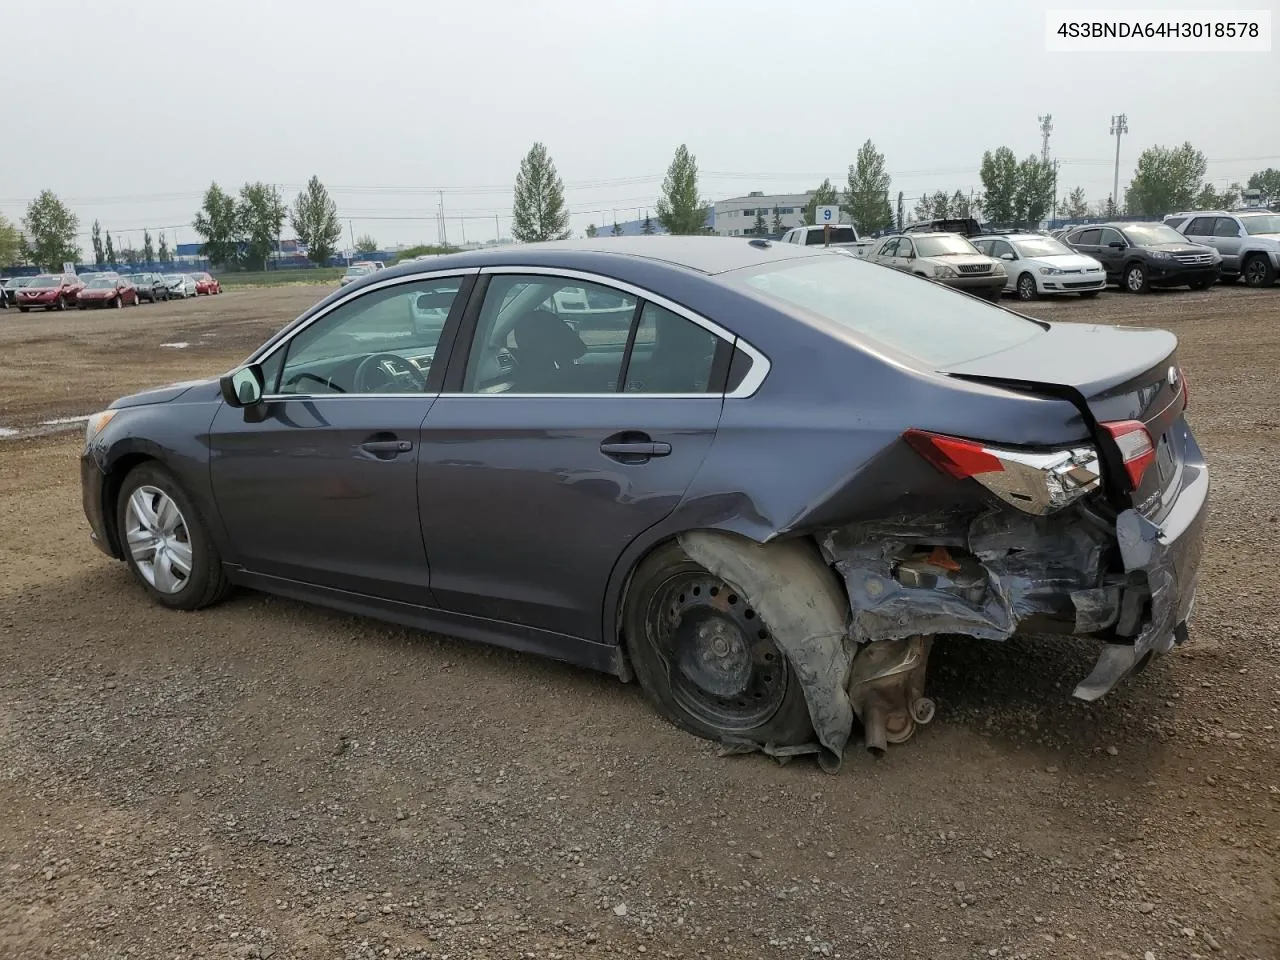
<point x="158" y="538"/>
<point x="723" y="665"/>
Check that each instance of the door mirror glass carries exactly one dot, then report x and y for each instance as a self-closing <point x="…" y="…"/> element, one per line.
<point x="1006" y="256"/>
<point x="1117" y="244"/>
<point x="243" y="388"/>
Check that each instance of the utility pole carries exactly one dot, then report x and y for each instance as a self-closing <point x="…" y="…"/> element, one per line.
<point x="444" y="230"/>
<point x="497" y="230"/>
<point x="1119" y="127"/>
<point x="1046" y="128"/>
<point x="352" y="231"/>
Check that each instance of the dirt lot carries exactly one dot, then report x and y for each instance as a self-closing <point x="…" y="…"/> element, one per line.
<point x="268" y="779"/>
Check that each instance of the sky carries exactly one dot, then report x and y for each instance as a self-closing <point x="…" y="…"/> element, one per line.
<point x="399" y="105"/>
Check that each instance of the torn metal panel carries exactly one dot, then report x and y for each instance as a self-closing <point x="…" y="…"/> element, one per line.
<point x="800" y="601"/>
<point x="1003" y="568"/>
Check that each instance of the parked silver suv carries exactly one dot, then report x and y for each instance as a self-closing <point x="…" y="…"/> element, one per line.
<point x="946" y="258"/>
<point x="1249" y="241"/>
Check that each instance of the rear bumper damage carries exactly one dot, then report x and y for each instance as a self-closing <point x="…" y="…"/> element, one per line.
<point x="863" y="651"/>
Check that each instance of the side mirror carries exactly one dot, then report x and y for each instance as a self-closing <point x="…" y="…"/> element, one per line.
<point x="243" y="387"/>
<point x="1116" y="244"/>
<point x="1006" y="256"/>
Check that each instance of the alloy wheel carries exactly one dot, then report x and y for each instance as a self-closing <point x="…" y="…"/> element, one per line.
<point x="1135" y="279"/>
<point x="1255" y="272"/>
<point x="1026" y="287"/>
<point x="158" y="539"/>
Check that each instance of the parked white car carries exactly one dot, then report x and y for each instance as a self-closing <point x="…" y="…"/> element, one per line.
<point x="1039" y="266"/>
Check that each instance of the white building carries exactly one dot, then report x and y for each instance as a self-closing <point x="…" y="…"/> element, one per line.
<point x="737" y="217"/>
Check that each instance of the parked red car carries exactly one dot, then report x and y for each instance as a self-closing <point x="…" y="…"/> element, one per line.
<point x="107" y="292"/>
<point x="52" y="291"/>
<point x="206" y="284"/>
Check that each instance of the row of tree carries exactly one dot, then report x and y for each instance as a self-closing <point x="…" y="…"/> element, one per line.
<point x="242" y="230"/>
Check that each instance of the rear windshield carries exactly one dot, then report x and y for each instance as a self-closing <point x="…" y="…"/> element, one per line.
<point x="838" y="235"/>
<point x="928" y="322"/>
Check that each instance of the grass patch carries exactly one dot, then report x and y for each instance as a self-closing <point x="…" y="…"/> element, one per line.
<point x="274" y="278"/>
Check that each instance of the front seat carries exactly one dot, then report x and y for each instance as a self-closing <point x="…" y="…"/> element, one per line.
<point x="545" y="346"/>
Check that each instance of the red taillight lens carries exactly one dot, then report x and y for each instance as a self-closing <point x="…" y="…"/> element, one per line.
<point x="1136" y="447"/>
<point x="953" y="456"/>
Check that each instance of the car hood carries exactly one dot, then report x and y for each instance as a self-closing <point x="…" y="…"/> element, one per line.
<point x="163" y="394"/>
<point x="39" y="289"/>
<point x="98" y="292"/>
<point x="1067" y="261"/>
<point x="957" y="259"/>
<point x="1175" y="247"/>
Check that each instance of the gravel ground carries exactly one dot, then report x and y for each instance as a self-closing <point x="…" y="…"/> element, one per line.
<point x="267" y="779"/>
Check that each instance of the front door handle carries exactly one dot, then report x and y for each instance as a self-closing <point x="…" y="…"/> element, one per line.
<point x="385" y="449"/>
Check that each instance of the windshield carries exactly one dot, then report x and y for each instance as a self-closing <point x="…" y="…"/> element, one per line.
<point x="925" y="321"/>
<point x="101" y="283"/>
<point x="1265" y="224"/>
<point x="1149" y="234"/>
<point x="173" y="278"/>
<point x="46" y="280"/>
<point x="1041" y="247"/>
<point x="944" y="246"/>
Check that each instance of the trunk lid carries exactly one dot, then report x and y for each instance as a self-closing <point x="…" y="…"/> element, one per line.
<point x="1113" y="373"/>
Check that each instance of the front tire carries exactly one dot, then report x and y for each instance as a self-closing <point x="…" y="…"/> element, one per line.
<point x="1258" y="271"/>
<point x="1026" y="287"/>
<point x="1136" y="279"/>
<point x="166" y="541"/>
<point x="117" y="303"/>
<point x="705" y="660"/>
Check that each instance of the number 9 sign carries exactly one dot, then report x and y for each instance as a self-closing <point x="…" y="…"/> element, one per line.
<point x="828" y="215"/>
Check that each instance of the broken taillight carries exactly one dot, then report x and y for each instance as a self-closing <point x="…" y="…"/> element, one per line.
<point x="1038" y="483"/>
<point x="1136" y="447"/>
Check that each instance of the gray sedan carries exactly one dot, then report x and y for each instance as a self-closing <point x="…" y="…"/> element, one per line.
<point x="762" y="480"/>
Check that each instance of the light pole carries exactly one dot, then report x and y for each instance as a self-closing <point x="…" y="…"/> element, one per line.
<point x="1119" y="127"/>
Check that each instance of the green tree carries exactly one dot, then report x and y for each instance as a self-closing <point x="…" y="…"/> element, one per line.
<point x="647" y="228"/>
<point x="97" y="244"/>
<point x="218" y="222"/>
<point x="999" y="175"/>
<point x="679" y="209"/>
<point x="1210" y="199"/>
<point x="109" y="250"/>
<point x="932" y="206"/>
<point x="866" y="194"/>
<point x="366" y="244"/>
<point x="260" y="215"/>
<point x="1074" y="206"/>
<point x="1268" y="183"/>
<point x="11" y="243"/>
<point x="163" y="253"/>
<point x="617" y="230"/>
<point x="825" y="196"/>
<point x="777" y="225"/>
<point x="1034" y="193"/>
<point x="1166" y="179"/>
<point x="148" y="249"/>
<point x="539" y="212"/>
<point x="962" y="205"/>
<point x="761" y="225"/>
<point x="130" y="256"/>
<point x="592" y="232"/>
<point x="314" y="218"/>
<point x="51" y="231"/>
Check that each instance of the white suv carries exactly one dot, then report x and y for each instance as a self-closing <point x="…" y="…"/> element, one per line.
<point x="1038" y="265"/>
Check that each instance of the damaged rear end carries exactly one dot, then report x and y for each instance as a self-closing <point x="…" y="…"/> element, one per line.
<point x="1099" y="537"/>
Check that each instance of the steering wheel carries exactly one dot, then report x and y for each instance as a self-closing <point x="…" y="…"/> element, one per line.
<point x="387" y="373"/>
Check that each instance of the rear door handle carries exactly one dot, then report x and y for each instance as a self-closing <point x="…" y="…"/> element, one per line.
<point x="645" y="448"/>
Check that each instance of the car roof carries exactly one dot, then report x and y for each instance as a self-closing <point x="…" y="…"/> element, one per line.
<point x="707" y="255"/>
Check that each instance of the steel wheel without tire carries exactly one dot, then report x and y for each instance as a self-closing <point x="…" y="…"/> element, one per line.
<point x="1258" y="272"/>
<point x="706" y="660"/>
<point x="1135" y="278"/>
<point x="166" y="542"/>
<point x="1026" y="287"/>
